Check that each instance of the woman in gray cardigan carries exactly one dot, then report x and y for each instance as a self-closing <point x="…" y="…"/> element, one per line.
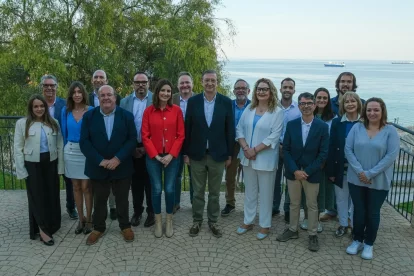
<point x="371" y="149"/>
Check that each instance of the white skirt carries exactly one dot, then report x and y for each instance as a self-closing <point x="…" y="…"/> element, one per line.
<point x="74" y="161"/>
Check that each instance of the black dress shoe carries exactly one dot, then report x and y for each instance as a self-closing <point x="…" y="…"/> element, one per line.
<point x="112" y="213"/>
<point x="195" y="229"/>
<point x="48" y="243"/>
<point x="136" y="219"/>
<point x="72" y="213"/>
<point x="79" y="228"/>
<point x="275" y="213"/>
<point x="150" y="221"/>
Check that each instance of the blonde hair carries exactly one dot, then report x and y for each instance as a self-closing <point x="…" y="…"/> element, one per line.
<point x="273" y="100"/>
<point x="347" y="95"/>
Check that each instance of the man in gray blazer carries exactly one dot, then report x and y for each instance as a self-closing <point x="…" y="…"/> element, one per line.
<point x="136" y="103"/>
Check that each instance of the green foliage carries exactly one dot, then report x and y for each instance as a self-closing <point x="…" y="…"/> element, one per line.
<point x="73" y="38"/>
<point x="406" y="206"/>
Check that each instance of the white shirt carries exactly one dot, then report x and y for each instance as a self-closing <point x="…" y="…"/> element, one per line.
<point x="209" y="110"/>
<point x="109" y="122"/>
<point x="305" y="130"/>
<point x="52" y="109"/>
<point x="138" y="111"/>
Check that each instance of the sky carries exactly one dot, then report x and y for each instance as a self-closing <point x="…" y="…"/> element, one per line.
<point x="320" y="29"/>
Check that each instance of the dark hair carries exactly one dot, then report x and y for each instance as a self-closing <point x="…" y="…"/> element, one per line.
<point x="208" y="72"/>
<point x="287" y="79"/>
<point x="70" y="104"/>
<point x="238" y="80"/>
<point x="185" y="73"/>
<point x="349" y="94"/>
<point x="327" y="113"/>
<point x="155" y="96"/>
<point x="384" y="114"/>
<point x="354" y="85"/>
<point x="46" y="118"/>
<point x="306" y="95"/>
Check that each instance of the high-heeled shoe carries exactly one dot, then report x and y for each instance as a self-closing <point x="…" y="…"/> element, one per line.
<point x="88" y="228"/>
<point x="80" y="227"/>
<point x="48" y="243"/>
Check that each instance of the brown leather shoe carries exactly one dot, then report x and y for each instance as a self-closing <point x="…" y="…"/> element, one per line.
<point x="326" y="217"/>
<point x="94" y="237"/>
<point x="128" y="235"/>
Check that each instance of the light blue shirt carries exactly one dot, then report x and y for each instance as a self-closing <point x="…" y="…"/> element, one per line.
<point x="138" y="111"/>
<point x="374" y="156"/>
<point x="305" y="130"/>
<point x="183" y="106"/>
<point x="209" y="110"/>
<point x="290" y="113"/>
<point x="95" y="99"/>
<point x="238" y="111"/>
<point x="109" y="122"/>
<point x="52" y="109"/>
<point x="255" y="120"/>
<point x="44" y="146"/>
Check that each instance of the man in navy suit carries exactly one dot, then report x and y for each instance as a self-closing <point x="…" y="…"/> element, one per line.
<point x="108" y="138"/>
<point x="305" y="149"/>
<point x="208" y="148"/>
<point x="49" y="85"/>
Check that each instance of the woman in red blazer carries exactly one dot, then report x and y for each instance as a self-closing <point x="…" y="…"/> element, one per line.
<point x="162" y="136"/>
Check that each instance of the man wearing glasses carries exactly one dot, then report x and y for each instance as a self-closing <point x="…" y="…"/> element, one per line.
<point x="136" y="103"/>
<point x="241" y="90"/>
<point x="49" y="86"/>
<point x="98" y="80"/>
<point x="305" y="148"/>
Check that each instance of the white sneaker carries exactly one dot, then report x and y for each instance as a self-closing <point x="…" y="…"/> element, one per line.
<point x="320" y="227"/>
<point x="354" y="248"/>
<point x="367" y="253"/>
<point x="304" y="224"/>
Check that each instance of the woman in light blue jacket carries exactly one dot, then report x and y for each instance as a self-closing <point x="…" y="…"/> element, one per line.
<point x="258" y="133"/>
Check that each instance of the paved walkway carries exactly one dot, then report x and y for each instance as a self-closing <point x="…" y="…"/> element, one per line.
<point x="202" y="255"/>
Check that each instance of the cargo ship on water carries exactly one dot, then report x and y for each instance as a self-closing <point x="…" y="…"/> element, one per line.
<point x="402" y="62"/>
<point x="334" y="64"/>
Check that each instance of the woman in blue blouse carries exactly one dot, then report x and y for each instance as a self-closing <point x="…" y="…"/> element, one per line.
<point x="72" y="114"/>
<point x="350" y="108"/>
<point x="371" y="149"/>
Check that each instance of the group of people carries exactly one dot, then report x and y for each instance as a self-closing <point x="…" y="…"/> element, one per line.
<point x="336" y="154"/>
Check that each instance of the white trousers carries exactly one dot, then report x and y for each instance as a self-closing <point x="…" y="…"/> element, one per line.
<point x="259" y="185"/>
<point x="344" y="203"/>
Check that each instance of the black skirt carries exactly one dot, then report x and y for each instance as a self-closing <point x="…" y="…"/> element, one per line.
<point x="43" y="194"/>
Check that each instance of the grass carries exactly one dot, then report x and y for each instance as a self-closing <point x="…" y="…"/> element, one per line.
<point x="406" y="206"/>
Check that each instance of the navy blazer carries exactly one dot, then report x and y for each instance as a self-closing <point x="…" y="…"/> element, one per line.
<point x="336" y="157"/>
<point x="220" y="134"/>
<point x="310" y="157"/>
<point x="95" y="146"/>
<point x="59" y="104"/>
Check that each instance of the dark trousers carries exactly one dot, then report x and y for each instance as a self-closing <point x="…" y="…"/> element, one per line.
<point x="120" y="189"/>
<point x="367" y="206"/>
<point x="70" y="199"/>
<point x="179" y="178"/>
<point x="277" y="194"/>
<point x="140" y="186"/>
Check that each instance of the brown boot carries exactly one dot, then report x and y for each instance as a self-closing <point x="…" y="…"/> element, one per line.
<point x="158" y="226"/>
<point x="128" y="235"/>
<point x="94" y="237"/>
<point x="169" y="232"/>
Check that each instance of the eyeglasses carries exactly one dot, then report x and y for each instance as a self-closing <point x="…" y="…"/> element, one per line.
<point x="303" y="104"/>
<point x="140" y="82"/>
<point x="321" y="97"/>
<point x="262" y="89"/>
<point x="49" y="85"/>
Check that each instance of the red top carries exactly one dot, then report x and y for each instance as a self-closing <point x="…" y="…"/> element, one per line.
<point x="163" y="125"/>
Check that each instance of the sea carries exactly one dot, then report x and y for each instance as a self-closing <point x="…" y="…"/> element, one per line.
<point x="394" y="83"/>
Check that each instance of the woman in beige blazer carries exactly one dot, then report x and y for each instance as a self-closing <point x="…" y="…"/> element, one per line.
<point x="38" y="154"/>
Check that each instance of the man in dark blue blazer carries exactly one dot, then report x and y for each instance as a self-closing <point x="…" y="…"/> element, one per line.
<point x="208" y="148"/>
<point x="49" y="85"/>
<point x="305" y="149"/>
<point x="108" y="138"/>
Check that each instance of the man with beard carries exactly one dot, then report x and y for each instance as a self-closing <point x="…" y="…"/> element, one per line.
<point x="241" y="90"/>
<point x="345" y="82"/>
<point x="291" y="112"/>
<point x="98" y="80"/>
<point x="55" y="104"/>
<point x="305" y="149"/>
<point x="136" y="103"/>
<point x="185" y="89"/>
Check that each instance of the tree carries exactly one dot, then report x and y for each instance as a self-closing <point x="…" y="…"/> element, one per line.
<point x="73" y="38"/>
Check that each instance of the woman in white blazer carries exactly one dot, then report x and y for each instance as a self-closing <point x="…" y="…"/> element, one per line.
<point x="258" y="133"/>
<point x="38" y="155"/>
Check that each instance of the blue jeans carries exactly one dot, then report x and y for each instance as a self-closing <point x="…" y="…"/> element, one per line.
<point x="367" y="206"/>
<point x="178" y="181"/>
<point x="155" y="170"/>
